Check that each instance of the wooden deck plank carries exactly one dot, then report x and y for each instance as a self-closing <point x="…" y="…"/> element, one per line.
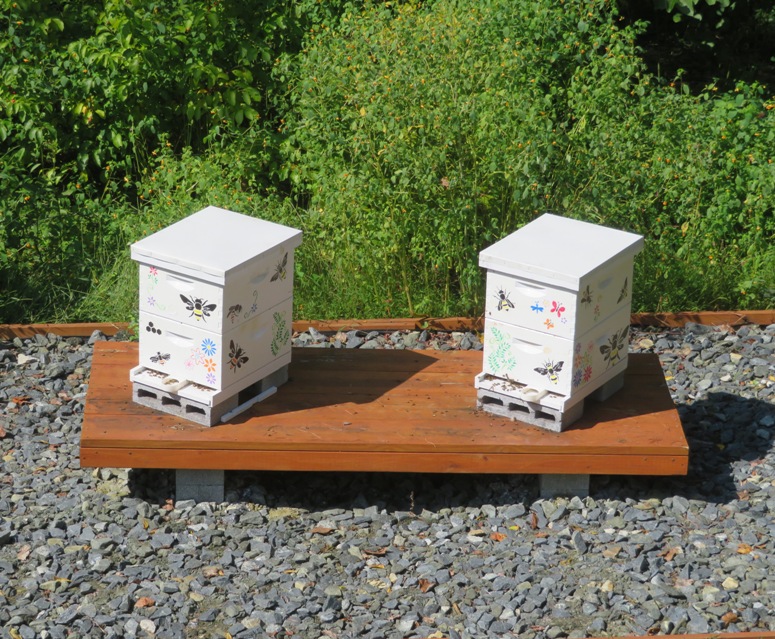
<point x="383" y="410"/>
<point x="388" y="461"/>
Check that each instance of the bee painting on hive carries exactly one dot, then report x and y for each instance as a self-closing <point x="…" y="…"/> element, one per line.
<point x="197" y="276"/>
<point x="541" y="307"/>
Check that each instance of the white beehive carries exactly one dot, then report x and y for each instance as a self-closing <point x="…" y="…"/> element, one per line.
<point x="557" y="319"/>
<point x="216" y="300"/>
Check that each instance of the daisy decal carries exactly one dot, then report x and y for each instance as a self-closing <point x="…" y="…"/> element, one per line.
<point x="208" y="346"/>
<point x="577" y="377"/>
<point x="210" y="379"/>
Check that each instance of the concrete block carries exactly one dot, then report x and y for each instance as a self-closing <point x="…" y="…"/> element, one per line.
<point x="529" y="412"/>
<point x="174" y="404"/>
<point x="199" y="412"/>
<point x="564" y="486"/>
<point x="609" y="388"/>
<point x="200" y="485"/>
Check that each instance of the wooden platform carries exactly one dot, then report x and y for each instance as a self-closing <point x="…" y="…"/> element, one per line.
<point x="383" y="410"/>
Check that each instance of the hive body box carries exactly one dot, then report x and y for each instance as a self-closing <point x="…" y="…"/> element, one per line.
<point x="557" y="319"/>
<point x="216" y="301"/>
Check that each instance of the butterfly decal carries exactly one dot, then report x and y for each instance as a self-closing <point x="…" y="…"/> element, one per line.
<point x="558" y="308"/>
<point x="586" y="296"/>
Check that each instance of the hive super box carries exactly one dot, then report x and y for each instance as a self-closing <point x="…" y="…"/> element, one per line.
<point x="557" y="319"/>
<point x="216" y="298"/>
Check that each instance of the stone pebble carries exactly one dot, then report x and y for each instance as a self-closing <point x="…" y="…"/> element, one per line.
<point x="112" y="553"/>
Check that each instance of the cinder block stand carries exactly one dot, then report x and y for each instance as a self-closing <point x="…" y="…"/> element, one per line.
<point x="563" y="486"/>
<point x="199" y="485"/>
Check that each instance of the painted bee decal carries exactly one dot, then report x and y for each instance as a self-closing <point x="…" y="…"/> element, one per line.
<point x="199" y="308"/>
<point x="279" y="270"/>
<point x="160" y="358"/>
<point x="550" y="370"/>
<point x="504" y="303"/>
<point x="234" y="311"/>
<point x="237" y="356"/>
<point x="625" y="290"/>
<point x="612" y="352"/>
<point x="586" y="296"/>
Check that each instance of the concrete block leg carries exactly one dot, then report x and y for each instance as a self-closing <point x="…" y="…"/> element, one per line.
<point x="200" y="485"/>
<point x="564" y="486"/>
<point x="528" y="412"/>
<point x="609" y="388"/>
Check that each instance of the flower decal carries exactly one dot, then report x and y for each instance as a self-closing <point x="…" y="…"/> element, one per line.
<point x="210" y="379"/>
<point x="582" y="364"/>
<point x="577" y="377"/>
<point x="208" y="347"/>
<point x="210" y="365"/>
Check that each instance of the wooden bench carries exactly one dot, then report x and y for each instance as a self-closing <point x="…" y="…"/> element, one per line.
<point x="384" y="411"/>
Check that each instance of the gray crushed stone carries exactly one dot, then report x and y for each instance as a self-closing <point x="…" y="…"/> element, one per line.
<point x="111" y="553"/>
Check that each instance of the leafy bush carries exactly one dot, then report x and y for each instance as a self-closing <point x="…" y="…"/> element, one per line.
<point x="88" y="91"/>
<point x="419" y="135"/>
<point x="402" y="138"/>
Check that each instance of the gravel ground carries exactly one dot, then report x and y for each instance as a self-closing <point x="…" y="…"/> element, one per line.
<point x="111" y="553"/>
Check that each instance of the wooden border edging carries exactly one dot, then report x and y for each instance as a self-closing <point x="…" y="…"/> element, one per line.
<point x="665" y="320"/>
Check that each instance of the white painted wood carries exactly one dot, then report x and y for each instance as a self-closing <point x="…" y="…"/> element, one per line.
<point x="559" y="251"/>
<point x="213" y="243"/>
<point x="553" y="363"/>
<point x="212" y="359"/>
<point x="216" y="301"/>
<point x="218" y="307"/>
<point x="557" y="310"/>
<point x="560" y="311"/>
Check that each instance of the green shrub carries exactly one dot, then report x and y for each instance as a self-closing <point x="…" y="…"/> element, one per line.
<point x="420" y="134"/>
<point x="88" y="90"/>
<point x="402" y="138"/>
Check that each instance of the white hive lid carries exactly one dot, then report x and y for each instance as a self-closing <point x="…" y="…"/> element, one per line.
<point x="213" y="243"/>
<point x="559" y="250"/>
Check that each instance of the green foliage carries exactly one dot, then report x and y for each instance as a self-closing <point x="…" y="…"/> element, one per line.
<point x="696" y="9"/>
<point x="421" y="135"/>
<point x="695" y="175"/>
<point x="88" y="89"/>
<point x="402" y="138"/>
